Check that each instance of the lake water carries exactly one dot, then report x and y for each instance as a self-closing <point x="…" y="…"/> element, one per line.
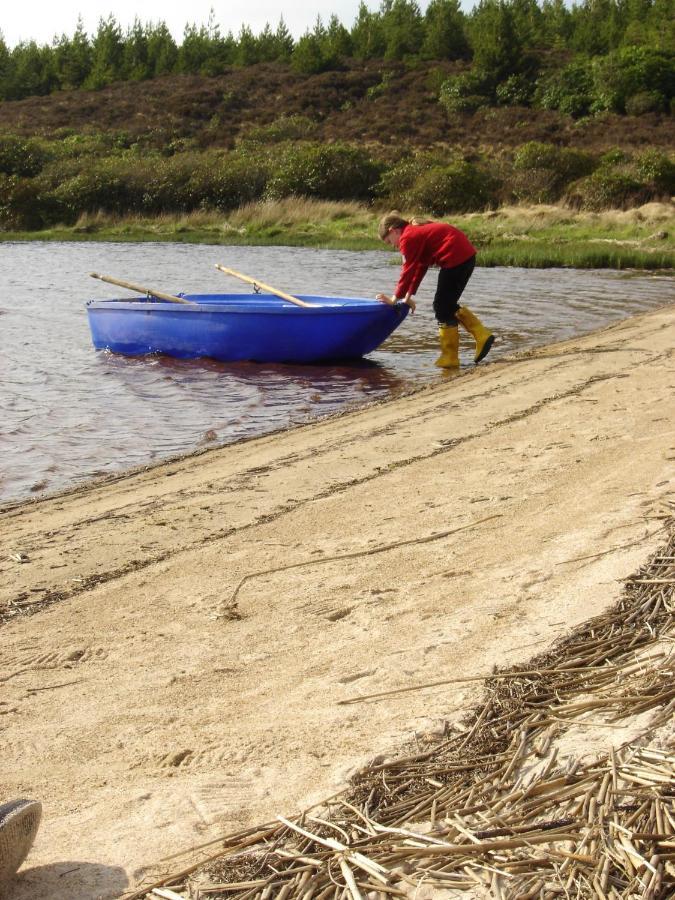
<point x="69" y="413"/>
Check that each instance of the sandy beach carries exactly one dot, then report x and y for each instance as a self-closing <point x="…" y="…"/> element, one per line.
<point x="174" y="642"/>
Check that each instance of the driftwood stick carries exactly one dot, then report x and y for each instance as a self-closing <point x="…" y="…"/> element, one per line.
<point x="499" y="676"/>
<point x="357" y="553"/>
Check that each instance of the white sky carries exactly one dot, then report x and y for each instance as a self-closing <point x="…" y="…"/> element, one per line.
<point x="41" y="20"/>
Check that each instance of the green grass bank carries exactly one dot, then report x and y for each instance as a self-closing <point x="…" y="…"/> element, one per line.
<point x="533" y="236"/>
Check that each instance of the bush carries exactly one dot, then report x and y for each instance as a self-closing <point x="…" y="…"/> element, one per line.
<point x="227" y="182"/>
<point x="606" y="189"/>
<point x="111" y="184"/>
<point x="658" y="170"/>
<point x="542" y="171"/>
<point x="630" y="71"/>
<point x="465" y="93"/>
<point x="329" y="172"/>
<point x="396" y="182"/>
<point x="517" y="90"/>
<point x="285" y="128"/>
<point x="19" y="156"/>
<point x="21" y="207"/>
<point x="458" y="187"/>
<point x="645" y="102"/>
<point x="569" y="90"/>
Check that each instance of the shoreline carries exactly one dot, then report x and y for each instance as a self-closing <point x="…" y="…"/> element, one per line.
<point x="168" y="681"/>
<point x="528" y="236"/>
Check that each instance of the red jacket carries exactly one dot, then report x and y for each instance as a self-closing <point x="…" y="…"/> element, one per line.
<point x="435" y="244"/>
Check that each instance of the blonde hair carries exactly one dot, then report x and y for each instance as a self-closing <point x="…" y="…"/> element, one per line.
<point x="394" y="219"/>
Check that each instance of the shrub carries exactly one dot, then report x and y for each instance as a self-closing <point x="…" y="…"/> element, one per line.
<point x="458" y="187"/>
<point x="227" y="182"/>
<point x="645" y="102"/>
<point x="658" y="170"/>
<point x="330" y="172"/>
<point x="465" y="93"/>
<point x="285" y="128"/>
<point x="569" y="90"/>
<point x="166" y="186"/>
<point x="606" y="189"/>
<point x="396" y="182"/>
<point x="614" y="157"/>
<point x="19" y="156"/>
<point x="542" y="171"/>
<point x="20" y="208"/>
<point x="517" y="90"/>
<point x="624" y="73"/>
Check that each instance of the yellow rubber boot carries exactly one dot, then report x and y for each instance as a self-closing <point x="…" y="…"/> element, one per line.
<point x="483" y="337"/>
<point x="448" y="335"/>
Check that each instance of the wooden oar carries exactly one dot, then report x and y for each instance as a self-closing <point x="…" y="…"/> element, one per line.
<point x="141" y="290"/>
<point x="265" y="287"/>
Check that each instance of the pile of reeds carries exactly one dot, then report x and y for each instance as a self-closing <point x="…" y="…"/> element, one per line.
<point x="493" y="809"/>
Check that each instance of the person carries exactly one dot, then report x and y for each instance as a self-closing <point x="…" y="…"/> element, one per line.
<point x="424" y="244"/>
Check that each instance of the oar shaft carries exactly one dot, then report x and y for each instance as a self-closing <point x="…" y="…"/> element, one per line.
<point x="140" y="289"/>
<point x="261" y="284"/>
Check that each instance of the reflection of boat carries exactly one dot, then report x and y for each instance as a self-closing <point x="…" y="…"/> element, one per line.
<point x="244" y="327"/>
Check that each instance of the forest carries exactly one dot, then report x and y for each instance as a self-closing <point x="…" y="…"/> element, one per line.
<point x="592" y="56"/>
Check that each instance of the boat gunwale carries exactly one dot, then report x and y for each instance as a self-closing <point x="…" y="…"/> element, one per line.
<point x="251" y="306"/>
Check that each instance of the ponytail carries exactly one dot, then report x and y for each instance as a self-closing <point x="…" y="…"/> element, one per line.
<point x="394" y="219"/>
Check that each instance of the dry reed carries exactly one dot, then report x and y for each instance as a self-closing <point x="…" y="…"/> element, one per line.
<point x="492" y="808"/>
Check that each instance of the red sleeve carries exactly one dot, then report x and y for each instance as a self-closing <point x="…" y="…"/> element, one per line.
<point x="414" y="266"/>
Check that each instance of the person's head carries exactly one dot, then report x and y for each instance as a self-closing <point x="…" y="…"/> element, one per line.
<point x="391" y="227"/>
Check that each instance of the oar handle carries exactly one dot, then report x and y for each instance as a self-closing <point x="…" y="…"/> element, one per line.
<point x="141" y="290"/>
<point x="265" y="287"/>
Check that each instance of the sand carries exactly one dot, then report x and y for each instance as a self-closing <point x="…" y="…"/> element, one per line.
<point x="165" y="678"/>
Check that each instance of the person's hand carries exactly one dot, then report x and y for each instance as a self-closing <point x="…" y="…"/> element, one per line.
<point x="385" y="298"/>
<point x="411" y="303"/>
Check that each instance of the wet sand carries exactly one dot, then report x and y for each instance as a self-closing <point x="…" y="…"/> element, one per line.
<point x="176" y="640"/>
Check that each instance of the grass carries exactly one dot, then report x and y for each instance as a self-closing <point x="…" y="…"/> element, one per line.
<point x="528" y="236"/>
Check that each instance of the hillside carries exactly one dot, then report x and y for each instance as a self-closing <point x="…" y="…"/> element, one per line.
<point x="369" y="103"/>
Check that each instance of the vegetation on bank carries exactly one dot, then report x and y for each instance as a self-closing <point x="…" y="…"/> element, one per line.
<point x="533" y="236"/>
<point x="48" y="182"/>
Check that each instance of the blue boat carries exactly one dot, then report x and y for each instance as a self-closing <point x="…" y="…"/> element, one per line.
<point x="252" y="327"/>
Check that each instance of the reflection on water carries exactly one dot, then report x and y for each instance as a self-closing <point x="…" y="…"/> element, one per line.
<point x="69" y="413"/>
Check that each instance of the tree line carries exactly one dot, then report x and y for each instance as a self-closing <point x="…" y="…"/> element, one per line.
<point x="506" y="46"/>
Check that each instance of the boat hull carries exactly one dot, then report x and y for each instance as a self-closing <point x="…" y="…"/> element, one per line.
<point x="254" y="327"/>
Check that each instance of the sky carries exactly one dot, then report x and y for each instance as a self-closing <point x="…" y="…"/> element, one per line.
<point x="41" y="20"/>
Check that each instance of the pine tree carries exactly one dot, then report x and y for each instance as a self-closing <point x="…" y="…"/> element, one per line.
<point x="135" y="62"/>
<point x="445" y="37"/>
<point x="248" y="49"/>
<point x="528" y="21"/>
<point x="72" y="58"/>
<point x="338" y="41"/>
<point x="307" y="56"/>
<point x="194" y="51"/>
<point x="30" y="71"/>
<point x="367" y="34"/>
<point x="593" y="24"/>
<point x="107" y="54"/>
<point x="556" y="24"/>
<point x="403" y="28"/>
<point x="162" y="50"/>
<point x="498" y="51"/>
<point x="284" y="42"/>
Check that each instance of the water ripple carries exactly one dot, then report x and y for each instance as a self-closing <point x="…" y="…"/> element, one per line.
<point x="69" y="413"/>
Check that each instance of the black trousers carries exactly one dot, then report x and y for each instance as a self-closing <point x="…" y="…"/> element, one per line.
<point x="451" y="284"/>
